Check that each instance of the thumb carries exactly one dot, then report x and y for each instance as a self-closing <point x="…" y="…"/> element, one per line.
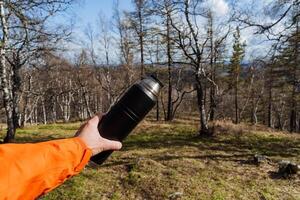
<point x="94" y="121"/>
<point x="110" y="144"/>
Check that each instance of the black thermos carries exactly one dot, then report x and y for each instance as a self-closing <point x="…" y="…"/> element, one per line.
<point x="124" y="115"/>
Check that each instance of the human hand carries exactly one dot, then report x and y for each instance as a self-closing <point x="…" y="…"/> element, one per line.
<point x="89" y="134"/>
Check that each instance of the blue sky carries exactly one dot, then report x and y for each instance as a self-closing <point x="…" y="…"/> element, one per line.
<point x="86" y="11"/>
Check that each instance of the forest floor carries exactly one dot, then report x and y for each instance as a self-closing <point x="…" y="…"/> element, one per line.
<point x="169" y="161"/>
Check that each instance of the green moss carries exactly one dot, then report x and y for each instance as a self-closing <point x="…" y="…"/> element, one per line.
<point x="217" y="196"/>
<point x="116" y="196"/>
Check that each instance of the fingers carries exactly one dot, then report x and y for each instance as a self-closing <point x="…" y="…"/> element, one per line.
<point x="110" y="144"/>
<point x="89" y="133"/>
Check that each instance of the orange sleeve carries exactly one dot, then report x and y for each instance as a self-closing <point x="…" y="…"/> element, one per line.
<point x="28" y="171"/>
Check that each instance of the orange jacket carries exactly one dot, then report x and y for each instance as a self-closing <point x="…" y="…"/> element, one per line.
<point x="28" y="171"/>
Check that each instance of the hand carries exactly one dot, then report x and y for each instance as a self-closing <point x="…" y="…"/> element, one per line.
<point x="89" y="134"/>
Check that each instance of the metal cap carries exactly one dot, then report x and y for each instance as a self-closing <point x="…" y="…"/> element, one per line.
<point x="151" y="85"/>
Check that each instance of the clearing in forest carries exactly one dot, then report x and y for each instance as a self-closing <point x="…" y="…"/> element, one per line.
<point x="168" y="161"/>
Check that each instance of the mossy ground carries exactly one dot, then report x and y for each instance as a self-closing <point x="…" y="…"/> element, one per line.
<point x="169" y="161"/>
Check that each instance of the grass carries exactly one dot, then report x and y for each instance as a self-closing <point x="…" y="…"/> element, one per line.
<point x="169" y="161"/>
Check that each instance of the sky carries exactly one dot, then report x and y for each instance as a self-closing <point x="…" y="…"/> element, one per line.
<point x="84" y="13"/>
<point x="87" y="12"/>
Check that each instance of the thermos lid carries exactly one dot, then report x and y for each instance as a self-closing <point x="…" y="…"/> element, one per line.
<point x="151" y="86"/>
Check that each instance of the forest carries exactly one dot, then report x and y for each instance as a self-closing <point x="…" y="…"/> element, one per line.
<point x="228" y="67"/>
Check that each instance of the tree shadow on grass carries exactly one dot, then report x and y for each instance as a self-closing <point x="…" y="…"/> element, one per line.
<point x="233" y="148"/>
<point x="240" y="158"/>
<point x="215" y="157"/>
<point x="281" y="147"/>
<point x="216" y="148"/>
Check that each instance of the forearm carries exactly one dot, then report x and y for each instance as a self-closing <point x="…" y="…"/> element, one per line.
<point x="30" y="170"/>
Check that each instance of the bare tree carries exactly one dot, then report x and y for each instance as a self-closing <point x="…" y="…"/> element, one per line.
<point x="5" y="74"/>
<point x="165" y="9"/>
<point x="192" y="47"/>
<point x="217" y="35"/>
<point x="23" y="27"/>
<point x="284" y="16"/>
<point x="140" y="19"/>
<point x="125" y="42"/>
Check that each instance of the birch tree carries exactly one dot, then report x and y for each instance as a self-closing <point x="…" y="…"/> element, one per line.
<point x="23" y="30"/>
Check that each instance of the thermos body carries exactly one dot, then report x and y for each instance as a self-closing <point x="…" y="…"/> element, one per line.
<point x="124" y="116"/>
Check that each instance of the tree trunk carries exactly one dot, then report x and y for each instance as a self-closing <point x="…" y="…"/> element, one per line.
<point x="270" y="94"/>
<point x="204" y="131"/>
<point x="54" y="113"/>
<point x="44" y="112"/>
<point x="65" y="106"/>
<point x="270" y="107"/>
<point x="170" y="102"/>
<point x="299" y="125"/>
<point x="236" y="102"/>
<point x="24" y="114"/>
<point x="16" y="88"/>
<point x="280" y="124"/>
<point x="293" y="119"/>
<point x="35" y="115"/>
<point x="293" y="111"/>
<point x="254" y="111"/>
<point x="212" y="103"/>
<point x="157" y="110"/>
<point x="213" y="70"/>
<point x="16" y="113"/>
<point x="26" y="102"/>
<point x="141" y="41"/>
<point x="6" y="79"/>
<point x="100" y="102"/>
<point x="86" y="101"/>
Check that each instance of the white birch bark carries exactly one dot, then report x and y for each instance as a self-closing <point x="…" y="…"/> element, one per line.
<point x="5" y="76"/>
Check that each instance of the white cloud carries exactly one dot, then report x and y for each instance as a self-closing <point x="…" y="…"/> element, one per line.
<point x="219" y="7"/>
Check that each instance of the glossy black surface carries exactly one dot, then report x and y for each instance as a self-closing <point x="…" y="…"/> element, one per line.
<point x="123" y="117"/>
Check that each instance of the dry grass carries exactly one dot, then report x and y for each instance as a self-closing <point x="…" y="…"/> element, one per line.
<point x="168" y="161"/>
